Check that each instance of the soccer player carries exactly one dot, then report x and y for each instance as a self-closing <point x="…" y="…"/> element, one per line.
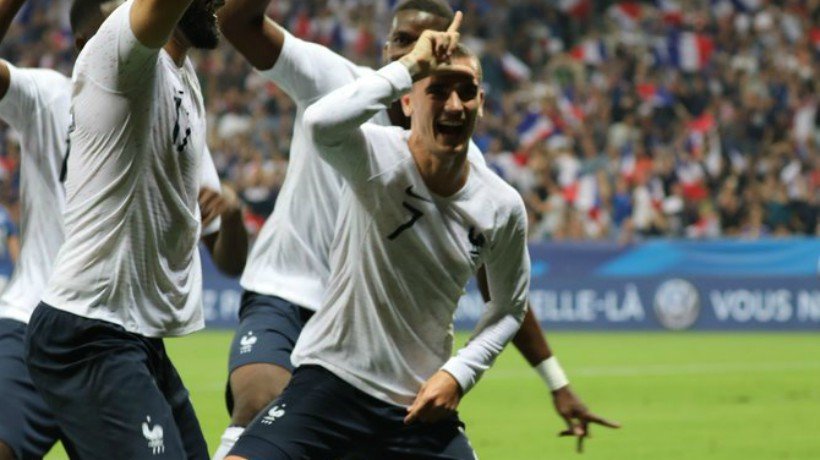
<point x="288" y="267"/>
<point x="128" y="273"/>
<point x="416" y="222"/>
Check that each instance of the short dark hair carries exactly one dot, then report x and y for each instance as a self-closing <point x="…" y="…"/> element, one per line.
<point x="465" y="52"/>
<point x="438" y="8"/>
<point x="83" y="12"/>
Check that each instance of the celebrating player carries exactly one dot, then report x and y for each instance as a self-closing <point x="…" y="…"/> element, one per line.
<point x="288" y="267"/>
<point x="129" y="273"/>
<point x="416" y="221"/>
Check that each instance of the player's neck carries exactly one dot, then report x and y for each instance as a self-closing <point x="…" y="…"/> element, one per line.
<point x="177" y="47"/>
<point x="443" y="175"/>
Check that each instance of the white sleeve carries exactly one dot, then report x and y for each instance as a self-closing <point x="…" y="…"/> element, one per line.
<point x="335" y="121"/>
<point x="508" y="277"/>
<point x="114" y="59"/>
<point x="210" y="180"/>
<point x="30" y="91"/>
<point x="307" y="71"/>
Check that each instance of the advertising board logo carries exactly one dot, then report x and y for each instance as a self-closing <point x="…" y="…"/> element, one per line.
<point x="677" y="304"/>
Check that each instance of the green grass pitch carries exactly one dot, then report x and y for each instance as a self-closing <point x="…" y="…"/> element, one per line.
<point x="679" y="396"/>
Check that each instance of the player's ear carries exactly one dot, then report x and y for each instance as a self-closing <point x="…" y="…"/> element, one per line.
<point x="406" y="107"/>
<point x="480" y="103"/>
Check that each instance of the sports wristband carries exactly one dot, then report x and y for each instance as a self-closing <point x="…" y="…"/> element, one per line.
<point x="552" y="374"/>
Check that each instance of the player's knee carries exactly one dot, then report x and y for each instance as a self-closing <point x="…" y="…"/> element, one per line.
<point x="254" y="387"/>
<point x="5" y="452"/>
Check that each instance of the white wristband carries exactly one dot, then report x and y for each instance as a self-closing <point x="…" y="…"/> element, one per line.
<point x="553" y="375"/>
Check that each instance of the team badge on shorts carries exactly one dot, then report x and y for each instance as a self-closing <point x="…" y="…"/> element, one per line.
<point x="275" y="412"/>
<point x="154" y="436"/>
<point x="246" y="343"/>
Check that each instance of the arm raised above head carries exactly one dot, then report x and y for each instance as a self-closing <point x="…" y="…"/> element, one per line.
<point x="257" y="37"/>
<point x="153" y="21"/>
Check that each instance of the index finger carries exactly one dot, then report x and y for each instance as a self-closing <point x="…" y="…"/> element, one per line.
<point x="592" y="418"/>
<point x="456" y="22"/>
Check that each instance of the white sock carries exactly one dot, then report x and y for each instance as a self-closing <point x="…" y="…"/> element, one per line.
<point x="229" y="438"/>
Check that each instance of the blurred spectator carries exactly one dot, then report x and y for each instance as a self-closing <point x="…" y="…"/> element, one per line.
<point x="615" y="119"/>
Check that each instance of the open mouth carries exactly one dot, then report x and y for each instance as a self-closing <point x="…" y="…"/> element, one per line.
<point x="450" y="127"/>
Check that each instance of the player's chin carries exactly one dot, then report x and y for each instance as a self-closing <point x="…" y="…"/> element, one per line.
<point x="205" y="39"/>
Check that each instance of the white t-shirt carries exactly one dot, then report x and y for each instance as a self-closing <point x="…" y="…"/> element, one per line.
<point x="37" y="107"/>
<point x="132" y="219"/>
<point x="402" y="256"/>
<point x="290" y="256"/>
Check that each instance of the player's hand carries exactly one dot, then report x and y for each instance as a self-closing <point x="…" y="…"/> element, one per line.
<point x="433" y="50"/>
<point x="213" y="204"/>
<point x="438" y="398"/>
<point x="577" y="416"/>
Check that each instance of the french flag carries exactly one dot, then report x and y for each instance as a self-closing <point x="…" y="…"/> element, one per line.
<point x="657" y="96"/>
<point x="515" y="69"/>
<point x="534" y="128"/>
<point x="671" y="12"/>
<point x="627" y="13"/>
<point x="578" y="9"/>
<point x="590" y="51"/>
<point x="689" y="51"/>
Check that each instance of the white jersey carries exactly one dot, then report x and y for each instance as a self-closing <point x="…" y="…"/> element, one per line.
<point x="290" y="256"/>
<point x="132" y="219"/>
<point x="402" y="256"/>
<point x="37" y="107"/>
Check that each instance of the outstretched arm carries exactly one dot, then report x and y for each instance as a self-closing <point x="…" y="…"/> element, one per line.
<point x="244" y="24"/>
<point x="153" y="21"/>
<point x="8" y="10"/>
<point x="532" y="344"/>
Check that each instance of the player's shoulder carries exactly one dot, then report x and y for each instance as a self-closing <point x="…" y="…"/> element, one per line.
<point x="506" y="199"/>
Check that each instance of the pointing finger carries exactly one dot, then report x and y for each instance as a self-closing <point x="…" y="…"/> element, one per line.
<point x="456" y="22"/>
<point x="592" y="418"/>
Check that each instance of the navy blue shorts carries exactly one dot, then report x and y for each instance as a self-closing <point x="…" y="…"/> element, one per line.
<point x="268" y="329"/>
<point x="27" y="425"/>
<point x="115" y="394"/>
<point x="320" y="416"/>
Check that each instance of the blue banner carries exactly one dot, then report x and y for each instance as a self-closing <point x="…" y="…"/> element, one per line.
<point x="663" y="284"/>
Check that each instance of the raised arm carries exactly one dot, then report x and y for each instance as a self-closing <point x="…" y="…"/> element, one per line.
<point x="259" y="39"/>
<point x="153" y="21"/>
<point x="8" y="10"/>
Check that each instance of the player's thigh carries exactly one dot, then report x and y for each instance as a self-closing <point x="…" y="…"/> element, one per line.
<point x="259" y="363"/>
<point x="253" y="387"/>
<point x="27" y="426"/>
<point x="178" y="397"/>
<point x="444" y="440"/>
<point x="98" y="379"/>
<point x="315" y="417"/>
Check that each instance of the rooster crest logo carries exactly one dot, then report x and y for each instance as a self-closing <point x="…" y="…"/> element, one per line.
<point x="246" y="343"/>
<point x="154" y="436"/>
<point x="274" y="413"/>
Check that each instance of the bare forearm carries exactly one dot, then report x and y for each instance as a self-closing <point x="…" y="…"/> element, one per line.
<point x="531" y="342"/>
<point x="244" y="24"/>
<point x="8" y="10"/>
<point x="230" y="250"/>
<point x="153" y="21"/>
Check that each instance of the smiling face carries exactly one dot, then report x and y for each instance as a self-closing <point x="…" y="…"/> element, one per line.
<point x="406" y="29"/>
<point x="198" y="24"/>
<point x="445" y="106"/>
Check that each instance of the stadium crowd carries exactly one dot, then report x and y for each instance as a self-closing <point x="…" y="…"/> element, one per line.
<point x="615" y="120"/>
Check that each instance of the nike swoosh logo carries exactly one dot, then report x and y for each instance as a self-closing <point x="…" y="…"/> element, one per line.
<point x="410" y="192"/>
